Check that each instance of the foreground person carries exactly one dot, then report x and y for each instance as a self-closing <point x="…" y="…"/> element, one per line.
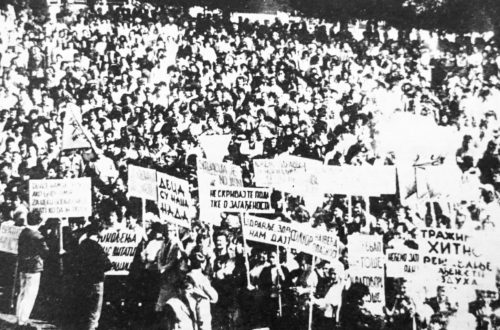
<point x="31" y="251"/>
<point x="92" y="264"/>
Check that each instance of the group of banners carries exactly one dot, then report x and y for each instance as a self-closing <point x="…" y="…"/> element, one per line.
<point x="449" y="253"/>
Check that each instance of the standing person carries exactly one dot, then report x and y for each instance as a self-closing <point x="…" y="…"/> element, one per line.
<point x="169" y="264"/>
<point x="32" y="249"/>
<point x="92" y="263"/>
<point x="354" y="315"/>
<point x="181" y="308"/>
<point x="402" y="314"/>
<point x="223" y="282"/>
<point x="202" y="284"/>
<point x="273" y="279"/>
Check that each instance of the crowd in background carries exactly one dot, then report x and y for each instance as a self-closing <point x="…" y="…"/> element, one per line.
<point x="150" y="80"/>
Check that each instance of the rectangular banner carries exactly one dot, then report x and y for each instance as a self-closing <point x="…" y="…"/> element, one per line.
<point x="366" y="266"/>
<point x="292" y="174"/>
<point x="239" y="199"/>
<point x="402" y="261"/>
<point x="61" y="198"/>
<point x="212" y="174"/>
<point x="301" y="237"/>
<point x="142" y="182"/>
<point x="9" y="237"/>
<point x="308" y="177"/>
<point x="121" y="247"/>
<point x="370" y="180"/>
<point x="173" y="199"/>
<point x="453" y="254"/>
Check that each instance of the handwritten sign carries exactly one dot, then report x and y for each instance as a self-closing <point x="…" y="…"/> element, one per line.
<point x="173" y="199"/>
<point x="61" y="198"/>
<point x="121" y="247"/>
<point x="402" y="261"/>
<point x="455" y="258"/>
<point x="237" y="199"/>
<point x="9" y="237"/>
<point x="142" y="182"/>
<point x="301" y="237"/>
<point x="211" y="174"/>
<point x="366" y="266"/>
<point x="291" y="174"/>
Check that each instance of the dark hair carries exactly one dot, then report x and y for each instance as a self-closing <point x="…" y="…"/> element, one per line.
<point x="34" y="218"/>
<point x="94" y="229"/>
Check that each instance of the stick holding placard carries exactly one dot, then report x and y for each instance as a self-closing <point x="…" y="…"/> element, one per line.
<point x="311" y="298"/>
<point x="280" y="305"/>
<point x="61" y="245"/>
<point x="14" y="285"/>
<point x="349" y="207"/>
<point x="247" y="263"/>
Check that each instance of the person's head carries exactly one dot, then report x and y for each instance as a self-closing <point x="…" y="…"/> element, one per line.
<point x="221" y="240"/>
<point x="34" y="218"/>
<point x="33" y="151"/>
<point x="132" y="217"/>
<point x="171" y="232"/>
<point x="15" y="200"/>
<point x="441" y="292"/>
<point x="273" y="258"/>
<point x="51" y="145"/>
<point x="338" y="212"/>
<point x="467" y="141"/>
<point x="197" y="259"/>
<point x="402" y="287"/>
<point x="304" y="260"/>
<point x="358" y="208"/>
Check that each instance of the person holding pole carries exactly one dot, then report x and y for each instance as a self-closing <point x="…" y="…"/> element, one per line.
<point x="273" y="279"/>
<point x="224" y="282"/>
<point x="32" y="249"/>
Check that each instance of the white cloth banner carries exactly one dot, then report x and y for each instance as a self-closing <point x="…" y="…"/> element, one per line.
<point x="238" y="199"/>
<point x="292" y="174"/>
<point x="372" y="180"/>
<point x="299" y="236"/>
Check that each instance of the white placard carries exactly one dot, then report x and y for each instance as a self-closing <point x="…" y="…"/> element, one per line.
<point x="61" y="198"/>
<point x="173" y="199"/>
<point x="142" y="182"/>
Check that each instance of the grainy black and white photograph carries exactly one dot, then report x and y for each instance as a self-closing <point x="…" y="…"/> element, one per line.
<point x="249" y="164"/>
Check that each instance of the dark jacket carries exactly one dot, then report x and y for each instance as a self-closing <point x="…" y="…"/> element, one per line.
<point x="267" y="283"/>
<point x="31" y="251"/>
<point x="92" y="262"/>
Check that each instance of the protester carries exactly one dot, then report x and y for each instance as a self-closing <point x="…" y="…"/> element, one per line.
<point x="31" y="252"/>
<point x="151" y="83"/>
<point x="92" y="263"/>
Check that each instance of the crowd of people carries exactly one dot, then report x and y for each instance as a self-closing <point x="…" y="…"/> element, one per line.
<point x="150" y="80"/>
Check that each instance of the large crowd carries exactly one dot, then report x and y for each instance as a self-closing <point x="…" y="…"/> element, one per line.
<point x="149" y="81"/>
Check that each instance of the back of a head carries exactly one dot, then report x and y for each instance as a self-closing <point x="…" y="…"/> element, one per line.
<point x="34" y="218"/>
